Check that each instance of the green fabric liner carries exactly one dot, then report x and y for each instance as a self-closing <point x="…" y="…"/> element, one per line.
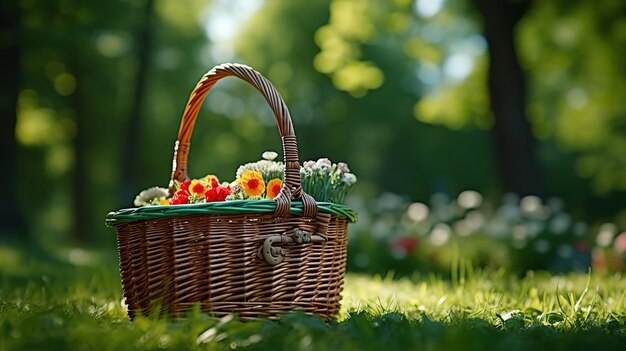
<point x="219" y="208"/>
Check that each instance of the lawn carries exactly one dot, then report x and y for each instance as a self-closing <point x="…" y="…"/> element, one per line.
<point x="71" y="299"/>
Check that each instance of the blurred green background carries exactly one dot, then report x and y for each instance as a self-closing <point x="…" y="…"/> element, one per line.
<point x="424" y="99"/>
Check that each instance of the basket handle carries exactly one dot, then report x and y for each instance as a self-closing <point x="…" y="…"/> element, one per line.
<point x="292" y="187"/>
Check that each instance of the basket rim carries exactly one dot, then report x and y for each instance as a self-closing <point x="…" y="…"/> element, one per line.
<point x="128" y="215"/>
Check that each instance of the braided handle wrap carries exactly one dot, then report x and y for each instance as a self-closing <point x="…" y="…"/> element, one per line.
<point x="292" y="187"/>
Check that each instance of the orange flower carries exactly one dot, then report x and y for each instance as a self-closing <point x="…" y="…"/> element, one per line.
<point x="273" y="188"/>
<point x="252" y="183"/>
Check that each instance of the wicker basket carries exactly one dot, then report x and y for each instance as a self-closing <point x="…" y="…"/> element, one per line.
<point x="255" y="258"/>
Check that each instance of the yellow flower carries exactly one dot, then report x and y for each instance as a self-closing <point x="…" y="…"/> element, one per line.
<point x="273" y="188"/>
<point x="197" y="188"/>
<point x="252" y="183"/>
<point x="164" y="201"/>
<point x="211" y="181"/>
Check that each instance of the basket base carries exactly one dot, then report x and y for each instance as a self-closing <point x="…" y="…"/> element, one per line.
<point x="244" y="311"/>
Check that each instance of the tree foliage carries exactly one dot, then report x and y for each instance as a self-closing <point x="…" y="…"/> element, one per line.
<point x="78" y="68"/>
<point x="439" y="57"/>
<point x="574" y="53"/>
<point x="397" y="89"/>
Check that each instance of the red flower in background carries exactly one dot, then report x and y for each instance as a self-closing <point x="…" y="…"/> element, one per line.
<point x="404" y="245"/>
<point x="581" y="246"/>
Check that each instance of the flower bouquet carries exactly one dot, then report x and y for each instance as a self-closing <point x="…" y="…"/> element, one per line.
<point x="263" y="179"/>
<point x="272" y="240"/>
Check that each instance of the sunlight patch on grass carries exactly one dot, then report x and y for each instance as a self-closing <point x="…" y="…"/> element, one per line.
<point x="568" y="301"/>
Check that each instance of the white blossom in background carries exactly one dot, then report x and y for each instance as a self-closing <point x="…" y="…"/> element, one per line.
<point x="606" y="234"/>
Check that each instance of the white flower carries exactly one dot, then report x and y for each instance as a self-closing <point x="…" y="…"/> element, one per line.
<point x="269" y="155"/>
<point x="145" y="197"/>
<point x="343" y="167"/>
<point x="269" y="169"/>
<point x="349" y="178"/>
<point x="323" y="163"/>
<point x="324" y="170"/>
<point x="308" y="164"/>
<point x="326" y="181"/>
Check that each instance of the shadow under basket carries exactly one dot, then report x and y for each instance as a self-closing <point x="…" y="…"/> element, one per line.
<point x="254" y="258"/>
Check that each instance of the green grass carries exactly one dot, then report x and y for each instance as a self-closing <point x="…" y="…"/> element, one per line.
<point x="71" y="299"/>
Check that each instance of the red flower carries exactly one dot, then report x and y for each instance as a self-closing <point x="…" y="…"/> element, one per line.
<point x="218" y="193"/>
<point x="180" y="198"/>
<point x="211" y="181"/>
<point x="211" y="195"/>
<point x="185" y="186"/>
<point x="222" y="192"/>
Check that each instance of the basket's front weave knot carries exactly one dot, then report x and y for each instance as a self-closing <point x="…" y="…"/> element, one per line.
<point x="302" y="236"/>
<point x="273" y="255"/>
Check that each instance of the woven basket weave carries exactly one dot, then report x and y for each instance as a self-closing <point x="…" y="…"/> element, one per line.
<point x="255" y="258"/>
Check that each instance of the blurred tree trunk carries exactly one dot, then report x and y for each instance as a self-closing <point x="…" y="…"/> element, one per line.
<point x="79" y="66"/>
<point x="519" y="170"/>
<point x="80" y="143"/>
<point x="130" y="147"/>
<point x="11" y="220"/>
